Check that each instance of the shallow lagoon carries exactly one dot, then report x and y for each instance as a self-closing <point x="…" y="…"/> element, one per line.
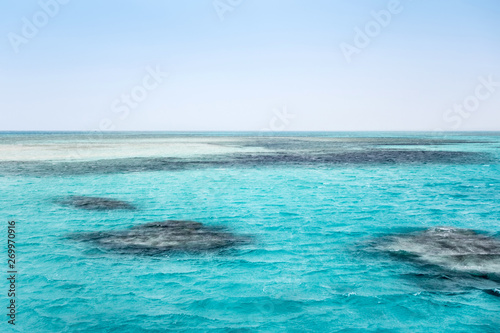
<point x="313" y="203"/>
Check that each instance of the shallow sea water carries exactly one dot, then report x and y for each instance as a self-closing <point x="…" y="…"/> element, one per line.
<point x="313" y="203"/>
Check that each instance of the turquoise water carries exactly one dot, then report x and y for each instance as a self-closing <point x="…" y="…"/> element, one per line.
<point x="312" y="203"/>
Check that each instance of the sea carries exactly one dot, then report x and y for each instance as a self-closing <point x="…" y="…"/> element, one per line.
<point x="316" y="212"/>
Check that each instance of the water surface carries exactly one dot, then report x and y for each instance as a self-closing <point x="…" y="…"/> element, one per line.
<point x="313" y="203"/>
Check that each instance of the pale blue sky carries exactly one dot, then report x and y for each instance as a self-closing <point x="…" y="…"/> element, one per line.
<point x="233" y="74"/>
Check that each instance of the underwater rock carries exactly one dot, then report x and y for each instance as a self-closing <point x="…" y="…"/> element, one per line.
<point x="450" y="249"/>
<point x="95" y="203"/>
<point x="166" y="236"/>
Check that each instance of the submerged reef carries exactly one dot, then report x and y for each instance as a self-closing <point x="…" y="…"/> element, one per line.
<point x="161" y="237"/>
<point x="452" y="249"/>
<point x="448" y="260"/>
<point x="94" y="203"/>
<point x="274" y="153"/>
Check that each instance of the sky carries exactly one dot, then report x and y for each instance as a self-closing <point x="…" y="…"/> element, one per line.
<point x="250" y="65"/>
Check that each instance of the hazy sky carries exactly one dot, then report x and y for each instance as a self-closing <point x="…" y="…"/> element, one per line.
<point x="250" y="64"/>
